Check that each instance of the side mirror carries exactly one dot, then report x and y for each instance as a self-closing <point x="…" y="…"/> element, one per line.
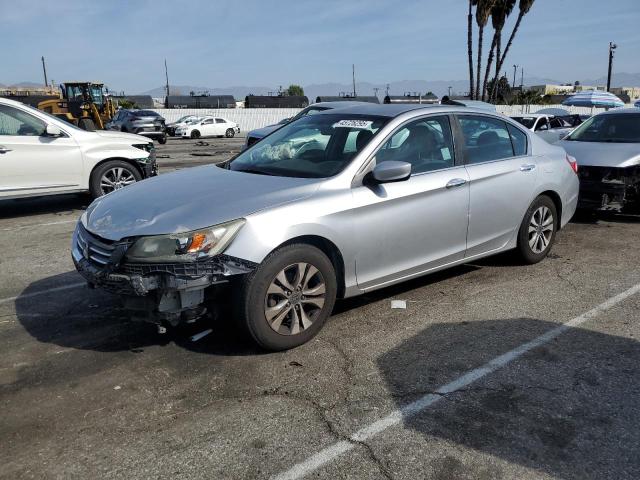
<point x="53" y="131"/>
<point x="391" y="171"/>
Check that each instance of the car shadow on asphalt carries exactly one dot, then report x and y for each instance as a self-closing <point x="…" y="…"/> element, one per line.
<point x="92" y="319"/>
<point x="570" y="408"/>
<point x="58" y="205"/>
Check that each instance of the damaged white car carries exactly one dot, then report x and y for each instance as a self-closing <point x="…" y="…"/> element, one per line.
<point x="329" y="206"/>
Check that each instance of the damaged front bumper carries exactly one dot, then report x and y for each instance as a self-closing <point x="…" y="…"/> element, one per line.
<point x="609" y="188"/>
<point x="156" y="292"/>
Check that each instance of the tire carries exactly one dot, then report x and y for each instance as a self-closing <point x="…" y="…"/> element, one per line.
<point x="87" y="124"/>
<point x="124" y="129"/>
<point x="229" y="133"/>
<point x="299" y="319"/>
<point x="111" y="171"/>
<point x="195" y="134"/>
<point x="162" y="140"/>
<point x="542" y="219"/>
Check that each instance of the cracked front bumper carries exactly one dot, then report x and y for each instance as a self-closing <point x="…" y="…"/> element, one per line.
<point x="157" y="291"/>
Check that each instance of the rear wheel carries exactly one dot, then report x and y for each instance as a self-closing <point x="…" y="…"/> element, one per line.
<point x="287" y="299"/>
<point x="538" y="230"/>
<point x="229" y="133"/>
<point x="87" y="124"/>
<point x="162" y="140"/>
<point x="112" y="175"/>
<point x="195" y="134"/>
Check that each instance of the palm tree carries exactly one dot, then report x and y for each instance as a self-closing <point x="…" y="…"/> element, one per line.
<point x="499" y="13"/>
<point x="483" y="10"/>
<point x="524" y="6"/>
<point x="472" y="3"/>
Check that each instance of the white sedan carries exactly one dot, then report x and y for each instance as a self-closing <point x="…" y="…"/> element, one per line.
<point x="548" y="127"/>
<point x="43" y="155"/>
<point x="209" y="127"/>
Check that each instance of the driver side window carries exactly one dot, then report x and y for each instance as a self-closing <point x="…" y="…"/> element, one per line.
<point x="427" y="144"/>
<point x="18" y="123"/>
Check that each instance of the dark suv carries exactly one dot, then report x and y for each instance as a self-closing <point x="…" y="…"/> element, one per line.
<point x="143" y="122"/>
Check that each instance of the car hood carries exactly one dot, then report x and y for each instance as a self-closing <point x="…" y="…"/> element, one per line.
<point x="128" y="138"/>
<point x="190" y="199"/>
<point x="603" y="154"/>
<point x="264" y="131"/>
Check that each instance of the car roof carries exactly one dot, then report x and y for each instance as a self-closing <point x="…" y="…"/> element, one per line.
<point x="394" y="110"/>
<point x="625" y="111"/>
<point x="340" y="104"/>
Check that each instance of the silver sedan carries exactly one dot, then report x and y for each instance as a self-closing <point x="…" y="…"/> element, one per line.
<point x="329" y="206"/>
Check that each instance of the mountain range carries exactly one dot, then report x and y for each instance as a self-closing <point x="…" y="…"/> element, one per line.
<point x="439" y="87"/>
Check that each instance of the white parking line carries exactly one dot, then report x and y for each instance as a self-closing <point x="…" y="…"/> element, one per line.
<point x="335" y="450"/>
<point x="43" y="292"/>
<point x="19" y="227"/>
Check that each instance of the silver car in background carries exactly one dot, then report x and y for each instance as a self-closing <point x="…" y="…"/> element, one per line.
<point x="607" y="148"/>
<point x="259" y="133"/>
<point x="329" y="206"/>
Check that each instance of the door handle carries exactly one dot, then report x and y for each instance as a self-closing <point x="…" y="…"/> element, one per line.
<point x="527" y="167"/>
<point x="456" y="182"/>
<point x="4" y="149"/>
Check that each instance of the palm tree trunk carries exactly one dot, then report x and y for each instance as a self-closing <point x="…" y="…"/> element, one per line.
<point x="470" y="49"/>
<point x="513" y="34"/>
<point x="493" y="94"/>
<point x="489" y="63"/>
<point x="479" y="64"/>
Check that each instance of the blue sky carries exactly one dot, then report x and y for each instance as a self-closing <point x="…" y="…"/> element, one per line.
<point x="265" y="43"/>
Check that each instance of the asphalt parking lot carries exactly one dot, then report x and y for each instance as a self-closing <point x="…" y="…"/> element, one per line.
<point x="493" y="371"/>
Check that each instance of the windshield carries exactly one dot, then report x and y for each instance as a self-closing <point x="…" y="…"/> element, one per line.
<point x="612" y="128"/>
<point x="96" y="94"/>
<point x="526" y="121"/>
<point x="317" y="146"/>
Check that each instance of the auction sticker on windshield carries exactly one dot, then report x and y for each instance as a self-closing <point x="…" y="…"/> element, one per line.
<point x="353" y="124"/>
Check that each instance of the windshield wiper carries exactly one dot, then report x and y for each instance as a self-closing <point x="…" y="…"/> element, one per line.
<point x="254" y="170"/>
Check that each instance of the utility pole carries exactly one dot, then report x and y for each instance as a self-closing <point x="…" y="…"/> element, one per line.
<point x="166" y="74"/>
<point x="388" y="86"/>
<point x="515" y="67"/>
<point x="353" y="71"/>
<point x="521" y="78"/>
<point x="612" y="47"/>
<point x="375" y="91"/>
<point x="44" y="69"/>
<point x="450" y="92"/>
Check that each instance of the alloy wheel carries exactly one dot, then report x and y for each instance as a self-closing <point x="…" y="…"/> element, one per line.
<point x="294" y="298"/>
<point x="540" y="229"/>
<point x="115" y="179"/>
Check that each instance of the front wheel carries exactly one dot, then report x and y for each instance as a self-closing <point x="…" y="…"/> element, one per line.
<point x="286" y="300"/>
<point x="162" y="140"/>
<point x="195" y="134"/>
<point x="230" y="133"/>
<point x="112" y="175"/>
<point x="538" y="230"/>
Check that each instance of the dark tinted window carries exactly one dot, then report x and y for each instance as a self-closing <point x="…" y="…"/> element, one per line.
<point x="485" y="138"/>
<point x="219" y="120"/>
<point x="518" y="139"/>
<point x="146" y="113"/>
<point x="18" y="123"/>
<point x="426" y="144"/>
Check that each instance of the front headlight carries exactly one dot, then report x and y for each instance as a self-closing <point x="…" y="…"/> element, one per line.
<point x="185" y="247"/>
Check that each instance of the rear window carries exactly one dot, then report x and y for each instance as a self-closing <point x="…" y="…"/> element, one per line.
<point x="146" y="113"/>
<point x="485" y="138"/>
